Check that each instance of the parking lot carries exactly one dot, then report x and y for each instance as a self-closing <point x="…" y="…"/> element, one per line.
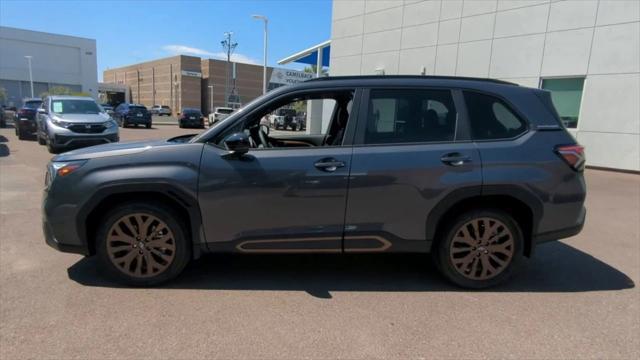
<point x="574" y="299"/>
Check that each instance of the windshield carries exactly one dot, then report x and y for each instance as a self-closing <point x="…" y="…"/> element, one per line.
<point x="225" y="111"/>
<point x="137" y="108"/>
<point x="74" y="107"/>
<point x="32" y="104"/>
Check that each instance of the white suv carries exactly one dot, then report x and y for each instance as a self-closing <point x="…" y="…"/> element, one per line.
<point x="219" y="113"/>
<point x="160" y="110"/>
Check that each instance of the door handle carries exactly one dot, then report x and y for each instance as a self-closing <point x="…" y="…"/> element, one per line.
<point x="455" y="159"/>
<point x="328" y="165"/>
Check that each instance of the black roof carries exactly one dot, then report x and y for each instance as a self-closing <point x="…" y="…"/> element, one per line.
<point x="409" y="77"/>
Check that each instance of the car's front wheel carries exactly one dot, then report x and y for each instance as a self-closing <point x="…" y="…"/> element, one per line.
<point x="142" y="244"/>
<point x="480" y="249"/>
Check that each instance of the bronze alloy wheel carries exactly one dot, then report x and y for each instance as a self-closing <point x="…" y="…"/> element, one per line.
<point x="482" y="248"/>
<point x="141" y="245"/>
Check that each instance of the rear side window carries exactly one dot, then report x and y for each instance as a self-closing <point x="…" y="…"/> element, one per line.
<point x="491" y="118"/>
<point x="410" y="116"/>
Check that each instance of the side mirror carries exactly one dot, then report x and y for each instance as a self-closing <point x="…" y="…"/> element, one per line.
<point x="237" y="143"/>
<point x="42" y="111"/>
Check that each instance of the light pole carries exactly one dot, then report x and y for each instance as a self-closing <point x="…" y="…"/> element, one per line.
<point x="228" y="45"/>
<point x="28" y="57"/>
<point x="266" y="38"/>
<point x="210" y="98"/>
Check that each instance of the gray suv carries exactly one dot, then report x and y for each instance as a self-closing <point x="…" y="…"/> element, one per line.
<point x="476" y="172"/>
<point x="65" y="122"/>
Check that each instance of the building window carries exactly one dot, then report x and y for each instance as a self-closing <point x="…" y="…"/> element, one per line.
<point x="566" y="95"/>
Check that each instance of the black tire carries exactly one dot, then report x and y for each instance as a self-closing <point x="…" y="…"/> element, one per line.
<point x="41" y="140"/>
<point x="443" y="258"/>
<point x="51" y="148"/>
<point x="148" y="126"/>
<point x="124" y="124"/>
<point x="182" y="254"/>
<point x="20" y="133"/>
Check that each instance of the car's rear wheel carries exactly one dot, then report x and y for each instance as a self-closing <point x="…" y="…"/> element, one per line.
<point x="142" y="244"/>
<point x="480" y="249"/>
<point x="148" y="126"/>
<point x="41" y="140"/>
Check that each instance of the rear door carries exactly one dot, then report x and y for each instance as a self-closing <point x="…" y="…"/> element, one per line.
<point x="411" y="152"/>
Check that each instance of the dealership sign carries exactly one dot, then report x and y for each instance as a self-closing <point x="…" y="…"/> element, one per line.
<point x="191" y="73"/>
<point x="287" y="77"/>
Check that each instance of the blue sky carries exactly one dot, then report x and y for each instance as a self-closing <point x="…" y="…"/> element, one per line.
<point x="128" y="32"/>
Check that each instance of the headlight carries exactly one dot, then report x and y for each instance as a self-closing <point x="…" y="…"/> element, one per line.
<point x="62" y="168"/>
<point x="60" y="123"/>
<point x="109" y="124"/>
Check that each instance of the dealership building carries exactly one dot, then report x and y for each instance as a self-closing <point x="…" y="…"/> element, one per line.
<point x="192" y="82"/>
<point x="587" y="53"/>
<point x="56" y="60"/>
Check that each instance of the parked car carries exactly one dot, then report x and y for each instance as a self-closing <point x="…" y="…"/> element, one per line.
<point x="191" y="118"/>
<point x="477" y="172"/>
<point x="24" y="121"/>
<point x="66" y="122"/>
<point x="132" y="114"/>
<point x="160" y="110"/>
<point x="108" y="108"/>
<point x="283" y="118"/>
<point x="219" y="113"/>
<point x="3" y="119"/>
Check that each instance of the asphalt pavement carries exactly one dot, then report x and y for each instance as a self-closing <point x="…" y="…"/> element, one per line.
<point x="575" y="298"/>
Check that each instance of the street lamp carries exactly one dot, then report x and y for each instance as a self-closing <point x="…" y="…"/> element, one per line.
<point x="210" y="98"/>
<point x="28" y="57"/>
<point x="264" y="70"/>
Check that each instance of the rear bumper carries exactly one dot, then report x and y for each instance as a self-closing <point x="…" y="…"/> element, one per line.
<point x="192" y="123"/>
<point x="138" y="121"/>
<point x="26" y="124"/>
<point x="571" y="230"/>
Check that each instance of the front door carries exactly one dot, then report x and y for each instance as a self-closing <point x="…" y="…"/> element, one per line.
<point x="288" y="193"/>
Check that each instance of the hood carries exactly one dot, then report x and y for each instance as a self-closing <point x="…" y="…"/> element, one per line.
<point x="83" y="118"/>
<point x="113" y="149"/>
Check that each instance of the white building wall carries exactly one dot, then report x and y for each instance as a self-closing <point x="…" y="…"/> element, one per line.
<point x="516" y="40"/>
<point x="57" y="59"/>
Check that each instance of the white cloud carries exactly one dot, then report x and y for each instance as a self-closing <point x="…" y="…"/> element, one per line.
<point x="188" y="50"/>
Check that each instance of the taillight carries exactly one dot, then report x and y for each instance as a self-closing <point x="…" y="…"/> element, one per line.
<point x="573" y="155"/>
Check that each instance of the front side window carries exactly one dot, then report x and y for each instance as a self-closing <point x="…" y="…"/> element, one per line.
<point x="491" y="118"/>
<point x="410" y="116"/>
<point x="317" y="119"/>
<point x="566" y="95"/>
<point x="74" y="107"/>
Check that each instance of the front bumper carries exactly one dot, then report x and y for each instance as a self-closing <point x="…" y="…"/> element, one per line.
<point x="85" y="139"/>
<point x="51" y="240"/>
<point x="58" y="227"/>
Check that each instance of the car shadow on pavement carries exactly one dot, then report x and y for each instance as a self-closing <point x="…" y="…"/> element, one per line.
<point x="556" y="267"/>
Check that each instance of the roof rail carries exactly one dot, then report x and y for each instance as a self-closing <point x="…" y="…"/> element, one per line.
<point x="432" y="77"/>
